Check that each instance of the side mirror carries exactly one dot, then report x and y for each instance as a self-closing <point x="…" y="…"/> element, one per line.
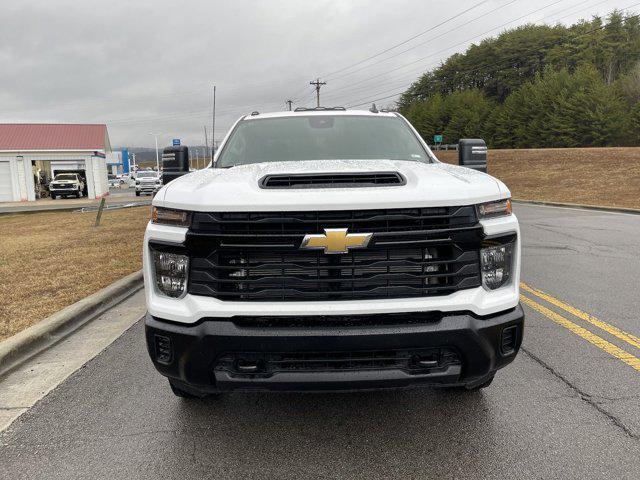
<point x="175" y="163"/>
<point x="472" y="153"/>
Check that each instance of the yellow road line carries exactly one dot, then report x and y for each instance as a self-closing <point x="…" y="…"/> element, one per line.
<point x="610" y="348"/>
<point x="615" y="331"/>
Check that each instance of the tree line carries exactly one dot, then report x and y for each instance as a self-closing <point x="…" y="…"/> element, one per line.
<point x="537" y="86"/>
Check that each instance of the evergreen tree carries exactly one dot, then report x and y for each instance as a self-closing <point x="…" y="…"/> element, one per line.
<point x="537" y="86"/>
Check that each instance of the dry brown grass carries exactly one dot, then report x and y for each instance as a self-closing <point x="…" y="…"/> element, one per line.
<point x="589" y="176"/>
<point x="53" y="259"/>
<point x="50" y="260"/>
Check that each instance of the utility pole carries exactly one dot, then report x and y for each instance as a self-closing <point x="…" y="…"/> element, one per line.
<point x="213" y="124"/>
<point x="317" y="84"/>
<point x="289" y="103"/>
<point x="206" y="142"/>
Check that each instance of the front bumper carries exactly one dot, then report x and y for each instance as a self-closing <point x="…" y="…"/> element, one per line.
<point x="63" y="191"/>
<point x="225" y="354"/>
<point x="148" y="188"/>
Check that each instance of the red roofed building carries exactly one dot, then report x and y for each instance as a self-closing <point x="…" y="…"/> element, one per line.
<point x="31" y="154"/>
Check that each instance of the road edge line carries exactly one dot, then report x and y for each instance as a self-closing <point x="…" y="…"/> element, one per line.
<point x="579" y="206"/>
<point x="20" y="347"/>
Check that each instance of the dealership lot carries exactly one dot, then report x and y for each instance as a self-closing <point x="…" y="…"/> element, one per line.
<point x="117" y="196"/>
<point x="568" y="406"/>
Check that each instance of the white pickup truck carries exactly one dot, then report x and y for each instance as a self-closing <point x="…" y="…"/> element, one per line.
<point x="66" y="185"/>
<point x="328" y="249"/>
<point x="147" y="181"/>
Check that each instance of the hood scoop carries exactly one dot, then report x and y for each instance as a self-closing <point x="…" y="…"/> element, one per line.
<point x="333" y="180"/>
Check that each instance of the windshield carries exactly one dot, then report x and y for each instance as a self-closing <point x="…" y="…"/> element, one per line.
<point x="65" y="176"/>
<point x="147" y="174"/>
<point x="330" y="137"/>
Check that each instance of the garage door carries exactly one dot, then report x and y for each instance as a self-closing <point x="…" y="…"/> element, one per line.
<point x="6" y="190"/>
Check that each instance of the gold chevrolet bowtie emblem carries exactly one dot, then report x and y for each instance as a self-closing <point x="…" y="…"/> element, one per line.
<point x="335" y="240"/>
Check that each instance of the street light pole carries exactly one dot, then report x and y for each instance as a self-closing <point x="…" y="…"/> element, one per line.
<point x="156" y="135"/>
<point x="213" y="126"/>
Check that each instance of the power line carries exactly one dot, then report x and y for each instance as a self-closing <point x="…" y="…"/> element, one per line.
<point x="425" y="42"/>
<point x="459" y="43"/>
<point x="510" y="65"/>
<point x="572" y="13"/>
<point x="407" y="40"/>
<point x="564" y="10"/>
<point x="350" y="88"/>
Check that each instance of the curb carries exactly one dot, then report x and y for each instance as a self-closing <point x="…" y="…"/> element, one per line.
<point x="632" y="211"/>
<point x="25" y="344"/>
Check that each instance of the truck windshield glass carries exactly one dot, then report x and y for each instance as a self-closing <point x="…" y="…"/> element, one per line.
<point x="330" y="137"/>
<point x="147" y="174"/>
<point x="65" y="176"/>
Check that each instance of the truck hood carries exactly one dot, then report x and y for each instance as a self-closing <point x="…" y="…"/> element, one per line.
<point x="237" y="188"/>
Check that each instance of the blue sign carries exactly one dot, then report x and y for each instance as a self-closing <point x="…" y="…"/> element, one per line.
<point x="176" y="142"/>
<point x="437" y="139"/>
<point x="125" y="160"/>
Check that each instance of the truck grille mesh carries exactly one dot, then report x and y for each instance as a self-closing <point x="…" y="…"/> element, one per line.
<point x="256" y="256"/>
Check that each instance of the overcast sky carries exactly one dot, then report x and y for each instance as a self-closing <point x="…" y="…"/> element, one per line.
<point x="145" y="66"/>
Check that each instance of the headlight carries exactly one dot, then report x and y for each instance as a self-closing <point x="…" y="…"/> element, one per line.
<point x="167" y="216"/>
<point x="494" y="209"/>
<point x="170" y="271"/>
<point x="496" y="263"/>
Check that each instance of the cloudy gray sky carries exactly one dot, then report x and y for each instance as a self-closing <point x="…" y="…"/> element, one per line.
<point x="145" y="66"/>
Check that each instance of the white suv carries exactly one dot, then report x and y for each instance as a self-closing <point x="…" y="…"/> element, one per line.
<point x="331" y="250"/>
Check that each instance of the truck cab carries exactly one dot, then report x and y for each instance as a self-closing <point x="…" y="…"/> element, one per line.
<point x="329" y="249"/>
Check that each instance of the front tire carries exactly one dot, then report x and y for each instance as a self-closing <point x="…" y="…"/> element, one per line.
<point x="137" y="193"/>
<point x="485" y="384"/>
<point x="179" y="391"/>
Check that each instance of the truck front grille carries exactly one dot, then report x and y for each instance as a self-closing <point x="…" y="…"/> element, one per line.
<point x="256" y="256"/>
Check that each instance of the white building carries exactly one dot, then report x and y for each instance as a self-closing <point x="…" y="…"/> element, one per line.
<point x="31" y="154"/>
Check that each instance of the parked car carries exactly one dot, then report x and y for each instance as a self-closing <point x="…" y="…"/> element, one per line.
<point x="114" y="181"/>
<point x="66" y="185"/>
<point x="147" y="181"/>
<point x="330" y="250"/>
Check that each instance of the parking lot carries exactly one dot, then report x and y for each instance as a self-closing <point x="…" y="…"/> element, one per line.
<point x="568" y="407"/>
<point x="117" y="196"/>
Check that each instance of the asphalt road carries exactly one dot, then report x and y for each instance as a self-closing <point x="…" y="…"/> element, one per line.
<point x="568" y="407"/>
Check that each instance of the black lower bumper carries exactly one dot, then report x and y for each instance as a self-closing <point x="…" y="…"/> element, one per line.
<point x="228" y="354"/>
<point x="65" y="191"/>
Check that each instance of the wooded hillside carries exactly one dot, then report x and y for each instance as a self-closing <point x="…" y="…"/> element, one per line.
<point x="537" y="86"/>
